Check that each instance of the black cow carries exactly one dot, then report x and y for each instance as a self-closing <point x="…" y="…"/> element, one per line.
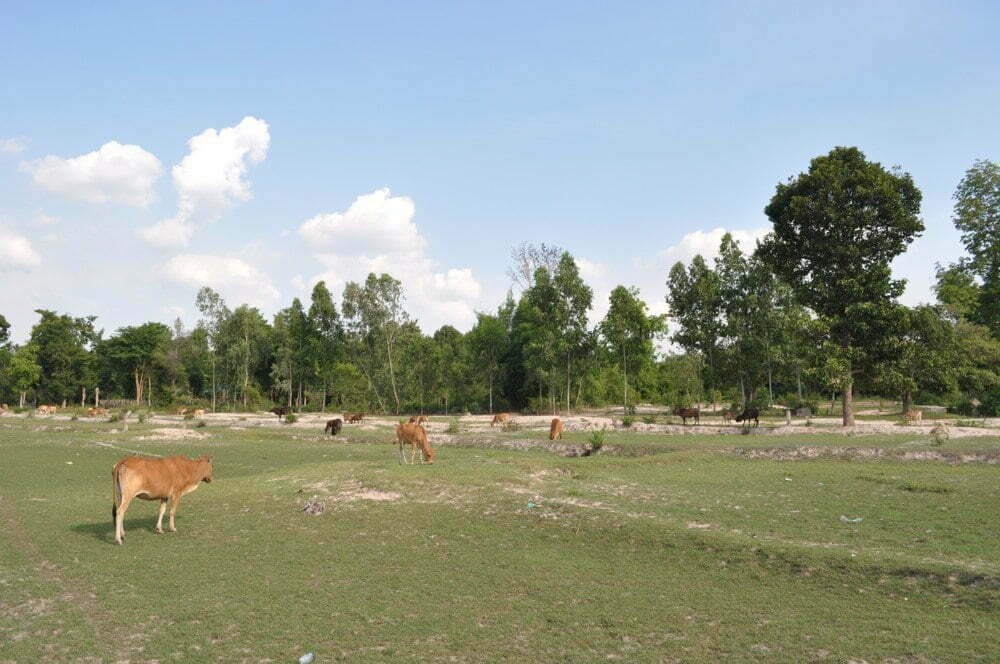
<point x="333" y="427"/>
<point x="281" y="411"/>
<point x="748" y="414"/>
<point x="685" y="413"/>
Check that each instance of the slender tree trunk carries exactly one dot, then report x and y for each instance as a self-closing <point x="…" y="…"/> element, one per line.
<point x="907" y="401"/>
<point x="139" y="381"/>
<point x="847" y="397"/>
<point x="567" y="382"/>
<point x="97" y="397"/>
<point x="798" y="380"/>
<point x="213" y="381"/>
<point x="149" y="392"/>
<point x="392" y="373"/>
<point x="83" y="397"/>
<point x="491" y="393"/>
<point x="24" y="395"/>
<point x="625" y="379"/>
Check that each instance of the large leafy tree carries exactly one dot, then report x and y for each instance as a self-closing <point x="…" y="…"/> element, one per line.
<point x="63" y="346"/>
<point x="574" y="301"/>
<point x="977" y="215"/>
<point x="837" y="227"/>
<point x="923" y="357"/>
<point x="488" y="341"/>
<point x="325" y="347"/>
<point x="135" y="352"/>
<point x="213" y="314"/>
<point x="22" y="371"/>
<point x="629" y="331"/>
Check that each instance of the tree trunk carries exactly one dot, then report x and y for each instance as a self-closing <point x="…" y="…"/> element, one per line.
<point x="149" y="391"/>
<point x="567" y="382"/>
<point x="392" y="373"/>
<point x="139" y="380"/>
<point x="907" y="401"/>
<point x="24" y="395"/>
<point x="798" y="380"/>
<point x="847" y="397"/>
<point x="83" y="397"/>
<point x="491" y="394"/>
<point x="213" y="382"/>
<point x="97" y="397"/>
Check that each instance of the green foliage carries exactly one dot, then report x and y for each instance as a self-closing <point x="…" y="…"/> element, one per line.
<point x="452" y="427"/>
<point x="977" y="216"/>
<point x="628" y="421"/>
<point x="596" y="440"/>
<point x="201" y="424"/>
<point x="291" y="418"/>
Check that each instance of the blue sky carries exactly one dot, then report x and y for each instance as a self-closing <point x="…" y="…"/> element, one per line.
<point x="625" y="133"/>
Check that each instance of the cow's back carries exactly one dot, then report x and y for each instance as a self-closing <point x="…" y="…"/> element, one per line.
<point x="157" y="478"/>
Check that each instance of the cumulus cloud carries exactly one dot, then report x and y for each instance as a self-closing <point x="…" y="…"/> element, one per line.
<point x="706" y="243"/>
<point x="114" y="173"/>
<point x="16" y="251"/>
<point x="234" y="278"/>
<point x="12" y="145"/>
<point x="377" y="234"/>
<point x="211" y="178"/>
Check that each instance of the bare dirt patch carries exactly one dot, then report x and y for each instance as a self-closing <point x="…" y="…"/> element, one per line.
<point x="174" y="433"/>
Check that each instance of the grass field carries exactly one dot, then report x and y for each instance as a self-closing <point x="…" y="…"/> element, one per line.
<point x="687" y="551"/>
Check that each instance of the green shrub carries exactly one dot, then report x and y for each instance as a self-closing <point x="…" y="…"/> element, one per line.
<point x="627" y="421"/>
<point x="452" y="427"/>
<point x="990" y="403"/>
<point x="115" y="417"/>
<point x="596" y="440"/>
<point x="291" y="418"/>
<point x="963" y="406"/>
<point x="141" y="417"/>
<point x="649" y="419"/>
<point x="201" y="423"/>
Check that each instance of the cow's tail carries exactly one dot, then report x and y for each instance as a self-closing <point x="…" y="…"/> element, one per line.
<point x="116" y="492"/>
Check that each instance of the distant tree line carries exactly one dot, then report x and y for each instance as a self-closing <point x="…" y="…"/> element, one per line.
<point x="810" y="313"/>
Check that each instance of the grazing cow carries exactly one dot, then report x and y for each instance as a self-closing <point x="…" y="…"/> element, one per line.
<point x="182" y="411"/>
<point x="748" y="414"/>
<point x="155" y="479"/>
<point x="914" y="416"/>
<point x="96" y="410"/>
<point x="416" y="436"/>
<point x="421" y="419"/>
<point x="333" y="427"/>
<point x="199" y="412"/>
<point x="500" y="418"/>
<point x="281" y="411"/>
<point x="727" y="416"/>
<point x="685" y="413"/>
<point x="413" y="420"/>
<point x="47" y="410"/>
<point x="555" y="429"/>
<point x="354" y="418"/>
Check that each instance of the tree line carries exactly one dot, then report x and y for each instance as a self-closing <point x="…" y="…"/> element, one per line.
<point x="809" y="313"/>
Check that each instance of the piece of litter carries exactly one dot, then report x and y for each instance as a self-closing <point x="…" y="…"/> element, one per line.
<point x="531" y="505"/>
<point x="314" y="508"/>
<point x="788" y="479"/>
<point x="307" y="658"/>
<point x="69" y="463"/>
<point x="857" y="519"/>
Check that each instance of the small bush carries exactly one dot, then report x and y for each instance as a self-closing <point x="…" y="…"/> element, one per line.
<point x="596" y="440"/>
<point x="940" y="434"/>
<point x="453" y="427"/>
<point x="74" y="418"/>
<point x="201" y="423"/>
<point x="115" y="417"/>
<point x="291" y="418"/>
<point x="627" y="421"/>
<point x="141" y="417"/>
<point x="649" y="419"/>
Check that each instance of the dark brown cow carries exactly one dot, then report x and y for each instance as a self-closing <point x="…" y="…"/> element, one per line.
<point x="281" y="411"/>
<point x="748" y="414"/>
<point x="155" y="479"/>
<point x="685" y="413"/>
<point x="333" y="427"/>
<point x="354" y="418"/>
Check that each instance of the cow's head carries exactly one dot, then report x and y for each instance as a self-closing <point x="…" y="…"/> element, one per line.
<point x="206" y="468"/>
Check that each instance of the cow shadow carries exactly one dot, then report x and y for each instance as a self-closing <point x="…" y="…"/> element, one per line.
<point x="105" y="530"/>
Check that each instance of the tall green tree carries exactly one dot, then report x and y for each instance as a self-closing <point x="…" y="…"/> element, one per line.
<point x="213" y="313"/>
<point x="574" y="301"/>
<point x="488" y="341"/>
<point x="977" y="216"/>
<point x="136" y="351"/>
<point x="837" y="228"/>
<point x="629" y="331"/>
<point x="694" y="297"/>
<point x="326" y="342"/>
<point x="22" y="372"/>
<point x="63" y="346"/>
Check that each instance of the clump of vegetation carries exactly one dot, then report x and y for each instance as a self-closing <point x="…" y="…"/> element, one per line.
<point x="453" y="427"/>
<point x="74" y="418"/>
<point x="940" y="434"/>
<point x="596" y="440"/>
<point x="649" y="419"/>
<point x="142" y="417"/>
<point x="201" y="423"/>
<point x="627" y="421"/>
<point x="291" y="418"/>
<point x="970" y="423"/>
<point x="923" y="488"/>
<point x="115" y="417"/>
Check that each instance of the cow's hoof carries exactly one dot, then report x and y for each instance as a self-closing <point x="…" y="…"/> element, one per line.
<point x="173" y="530"/>
<point x="158" y="531"/>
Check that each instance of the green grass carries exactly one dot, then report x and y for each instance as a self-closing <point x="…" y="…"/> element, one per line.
<point x="688" y="553"/>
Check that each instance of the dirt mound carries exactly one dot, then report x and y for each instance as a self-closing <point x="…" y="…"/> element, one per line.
<point x="862" y="453"/>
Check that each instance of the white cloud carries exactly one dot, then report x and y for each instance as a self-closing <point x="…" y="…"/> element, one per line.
<point x="377" y="234"/>
<point x="42" y="219"/>
<point x="114" y="173"/>
<point x="706" y="243"/>
<point x="234" y="278"/>
<point x="211" y="178"/>
<point x="16" y="251"/>
<point x="168" y="233"/>
<point x="12" y="145"/>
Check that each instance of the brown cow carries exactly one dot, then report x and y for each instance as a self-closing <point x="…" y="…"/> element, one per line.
<point x="727" y="416"/>
<point x="416" y="436"/>
<point x="500" y="418"/>
<point x="685" y="413"/>
<point x="96" y="410"/>
<point x="422" y="418"/>
<point x="354" y="418"/>
<point x="47" y="410"/>
<point x="555" y="429"/>
<point x="914" y="416"/>
<point x="182" y="411"/>
<point x="199" y="412"/>
<point x="413" y="419"/>
<point x="333" y="427"/>
<point x="155" y="479"/>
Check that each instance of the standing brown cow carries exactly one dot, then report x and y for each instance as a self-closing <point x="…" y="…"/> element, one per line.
<point x="155" y="479"/>
<point x="500" y="418"/>
<point x="685" y="413"/>
<point x="416" y="436"/>
<point x="555" y="429"/>
<point x="333" y="427"/>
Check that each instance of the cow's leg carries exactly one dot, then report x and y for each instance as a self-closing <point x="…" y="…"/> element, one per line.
<point x="159" y="515"/>
<point x="120" y="518"/>
<point x="174" y="501"/>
